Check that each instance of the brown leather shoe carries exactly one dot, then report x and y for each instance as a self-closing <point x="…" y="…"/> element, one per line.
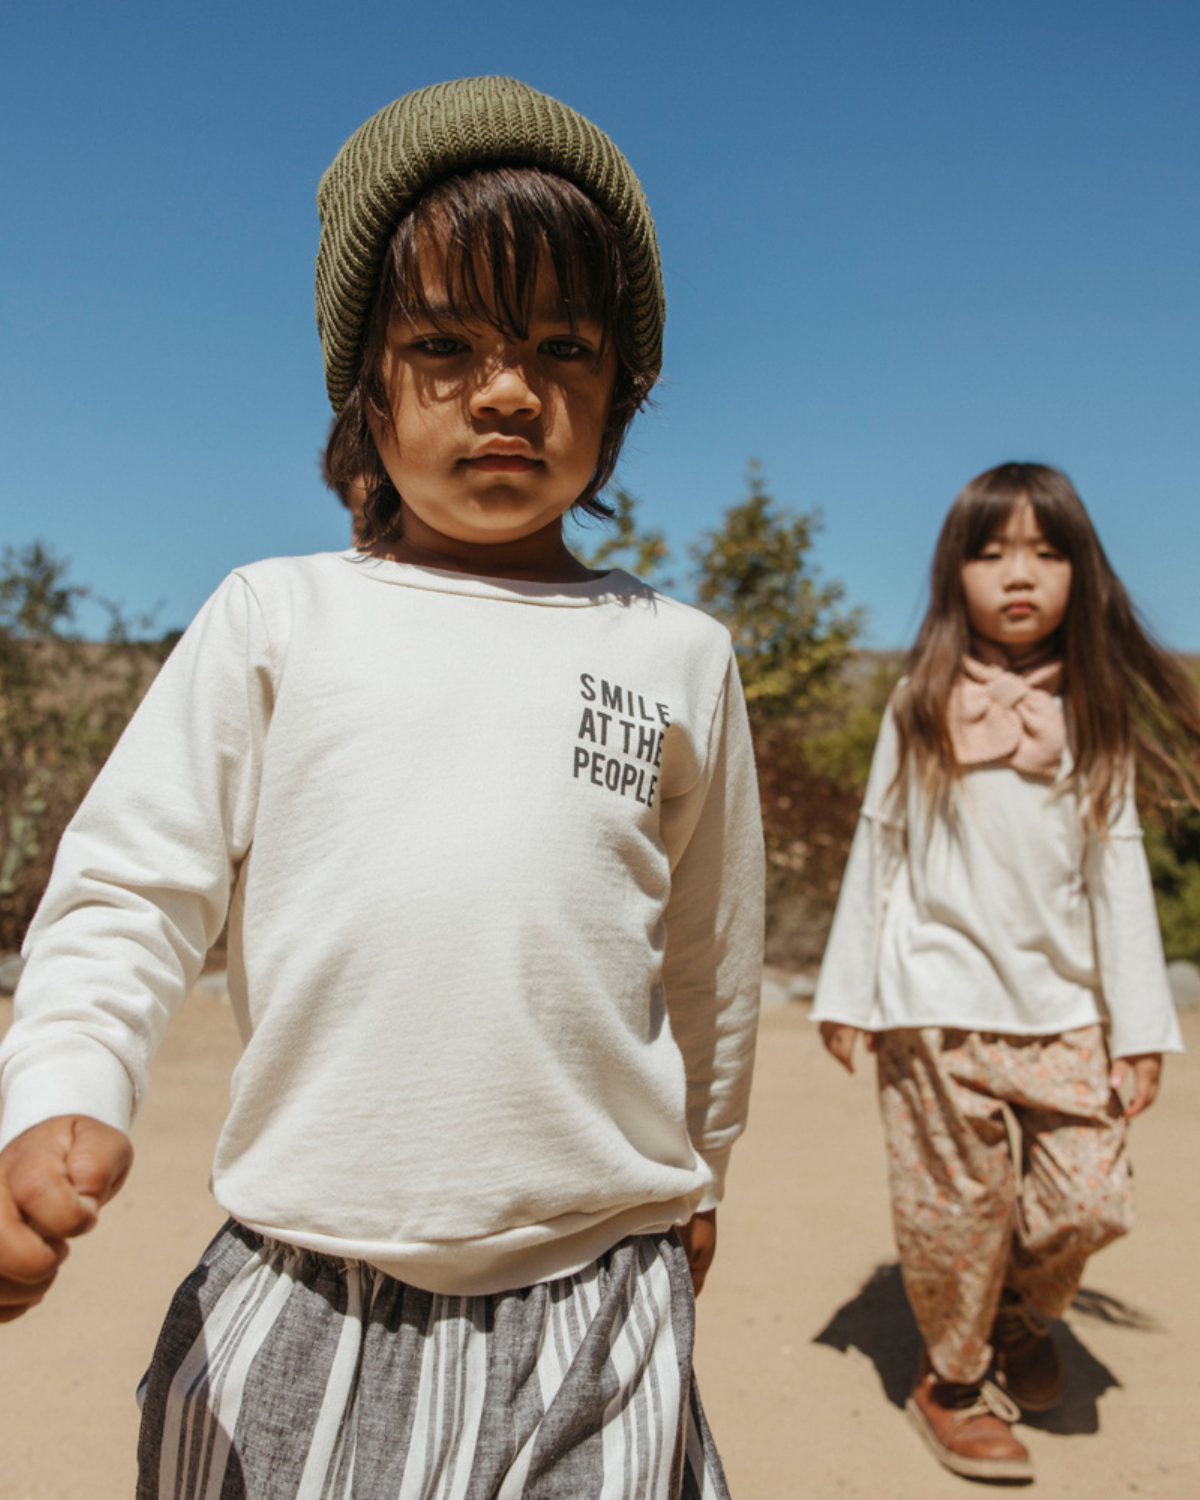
<point x="968" y="1427"/>
<point x="1027" y="1364"/>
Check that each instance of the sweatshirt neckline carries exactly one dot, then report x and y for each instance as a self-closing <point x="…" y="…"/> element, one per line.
<point x="613" y="584"/>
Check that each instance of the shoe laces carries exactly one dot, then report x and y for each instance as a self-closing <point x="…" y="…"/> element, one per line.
<point x="990" y="1398"/>
<point x="977" y="1400"/>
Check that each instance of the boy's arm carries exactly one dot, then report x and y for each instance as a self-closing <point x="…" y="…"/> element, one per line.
<point x="54" y="1179"/>
<point x="141" y="880"/>
<point x="712" y="964"/>
<point x="699" y="1239"/>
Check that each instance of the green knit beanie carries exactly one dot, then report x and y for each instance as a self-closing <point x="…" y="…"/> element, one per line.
<point x="453" y="127"/>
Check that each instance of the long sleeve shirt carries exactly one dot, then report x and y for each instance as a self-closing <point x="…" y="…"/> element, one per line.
<point x="1008" y="916"/>
<point x="491" y="857"/>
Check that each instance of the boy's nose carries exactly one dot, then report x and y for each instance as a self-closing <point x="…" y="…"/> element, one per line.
<point x="505" y="391"/>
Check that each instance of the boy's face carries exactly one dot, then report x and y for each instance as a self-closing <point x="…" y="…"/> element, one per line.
<point x="492" y="438"/>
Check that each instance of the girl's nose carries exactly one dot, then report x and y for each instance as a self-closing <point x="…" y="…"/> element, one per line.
<point x="505" y="391"/>
<point x="1019" y="571"/>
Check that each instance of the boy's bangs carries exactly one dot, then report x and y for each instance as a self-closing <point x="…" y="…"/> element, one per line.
<point x="468" y="254"/>
<point x="481" y="240"/>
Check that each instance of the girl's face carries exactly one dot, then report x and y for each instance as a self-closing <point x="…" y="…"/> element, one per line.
<point x="1018" y="587"/>
<point x="492" y="437"/>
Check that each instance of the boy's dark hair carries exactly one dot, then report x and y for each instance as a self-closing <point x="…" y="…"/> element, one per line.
<point x="492" y="228"/>
<point x="341" y="486"/>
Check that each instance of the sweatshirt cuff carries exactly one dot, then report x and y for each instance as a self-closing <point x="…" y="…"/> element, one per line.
<point x="71" y="1076"/>
<point x="716" y="1159"/>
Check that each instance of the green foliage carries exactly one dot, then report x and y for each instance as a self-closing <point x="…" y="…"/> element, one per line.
<point x="63" y="702"/>
<point x="1173" y="849"/>
<point x="793" y="641"/>
<point x="627" y="544"/>
<point x="841" y="750"/>
<point x="790" y="634"/>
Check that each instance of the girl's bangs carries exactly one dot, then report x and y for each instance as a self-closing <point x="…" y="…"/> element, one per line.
<point x="1060" y="524"/>
<point x="988" y="506"/>
<point x="986" y="515"/>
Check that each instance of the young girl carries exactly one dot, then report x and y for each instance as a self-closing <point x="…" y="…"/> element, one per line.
<point x="485" y="826"/>
<point x="996" y="937"/>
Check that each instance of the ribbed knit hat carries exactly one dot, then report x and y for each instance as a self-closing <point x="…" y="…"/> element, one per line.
<point x="452" y="127"/>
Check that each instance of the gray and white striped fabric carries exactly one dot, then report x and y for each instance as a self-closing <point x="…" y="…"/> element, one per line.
<point x="284" y="1375"/>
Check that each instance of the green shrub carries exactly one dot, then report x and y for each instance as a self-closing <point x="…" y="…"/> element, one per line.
<point x="1173" y="849"/>
<point x="63" y="703"/>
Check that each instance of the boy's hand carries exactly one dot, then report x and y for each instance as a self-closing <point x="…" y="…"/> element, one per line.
<point x="699" y="1236"/>
<point x="54" y="1179"/>
<point x="839" y="1041"/>
<point x="1146" y="1071"/>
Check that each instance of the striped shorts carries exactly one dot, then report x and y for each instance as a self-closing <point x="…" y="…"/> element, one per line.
<point x="285" y="1375"/>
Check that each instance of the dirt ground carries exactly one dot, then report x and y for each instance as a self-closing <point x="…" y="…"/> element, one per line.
<point x="806" y="1346"/>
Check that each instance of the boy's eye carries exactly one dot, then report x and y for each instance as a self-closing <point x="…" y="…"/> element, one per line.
<point x="439" y="345"/>
<point x="566" y="348"/>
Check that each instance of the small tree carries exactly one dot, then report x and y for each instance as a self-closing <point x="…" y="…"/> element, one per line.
<point x="626" y="543"/>
<point x="63" y="703"/>
<point x="793" y="642"/>
<point x="791" y="636"/>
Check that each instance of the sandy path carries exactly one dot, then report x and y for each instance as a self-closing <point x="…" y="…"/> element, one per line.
<point x="805" y="1342"/>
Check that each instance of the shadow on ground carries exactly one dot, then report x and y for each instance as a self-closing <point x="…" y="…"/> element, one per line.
<point x="877" y="1321"/>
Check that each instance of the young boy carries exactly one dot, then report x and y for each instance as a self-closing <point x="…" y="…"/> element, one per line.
<point x="485" y="826"/>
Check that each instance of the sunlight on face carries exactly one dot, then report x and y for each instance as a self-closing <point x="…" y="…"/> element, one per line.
<point x="492" y="438"/>
<point x="1018" y="588"/>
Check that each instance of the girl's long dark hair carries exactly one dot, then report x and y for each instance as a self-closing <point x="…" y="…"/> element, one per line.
<point x="491" y="227"/>
<point x="1126" y="697"/>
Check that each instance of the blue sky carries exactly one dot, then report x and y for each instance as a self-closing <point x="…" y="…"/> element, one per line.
<point x="901" y="243"/>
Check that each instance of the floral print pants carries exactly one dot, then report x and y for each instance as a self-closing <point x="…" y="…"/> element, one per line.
<point x="1007" y="1162"/>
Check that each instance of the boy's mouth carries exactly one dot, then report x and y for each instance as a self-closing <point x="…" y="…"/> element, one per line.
<point x="502" y="454"/>
<point x="501" y="463"/>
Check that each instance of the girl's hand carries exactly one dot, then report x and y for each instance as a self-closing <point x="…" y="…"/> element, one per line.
<point x="839" y="1041"/>
<point x="699" y="1237"/>
<point x="54" y="1179"/>
<point x="1146" y="1071"/>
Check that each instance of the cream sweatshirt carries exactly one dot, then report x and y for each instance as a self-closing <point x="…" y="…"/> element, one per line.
<point x="1009" y="918"/>
<point x="492" y="859"/>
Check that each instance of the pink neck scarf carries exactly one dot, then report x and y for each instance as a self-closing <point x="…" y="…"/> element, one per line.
<point x="1008" y="712"/>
